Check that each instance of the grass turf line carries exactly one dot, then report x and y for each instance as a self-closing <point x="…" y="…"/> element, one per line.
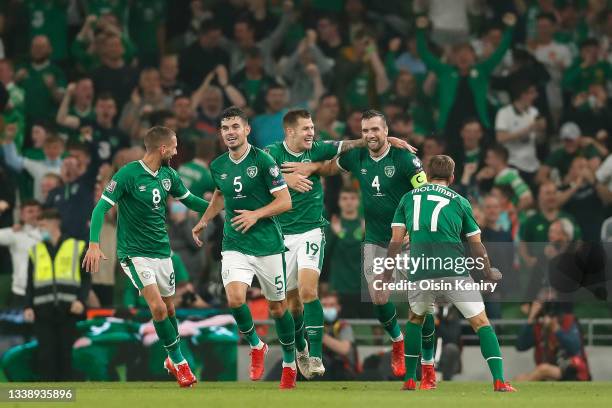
<point x="326" y="394"/>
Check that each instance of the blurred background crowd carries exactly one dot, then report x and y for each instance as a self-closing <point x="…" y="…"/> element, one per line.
<point x="517" y="92"/>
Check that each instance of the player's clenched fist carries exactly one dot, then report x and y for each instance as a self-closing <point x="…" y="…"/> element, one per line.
<point x="91" y="262"/>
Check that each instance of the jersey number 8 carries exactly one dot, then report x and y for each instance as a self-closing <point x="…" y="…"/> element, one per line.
<point x="156" y="196"/>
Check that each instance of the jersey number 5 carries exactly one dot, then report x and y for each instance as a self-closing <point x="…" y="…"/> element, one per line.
<point x="416" y="214"/>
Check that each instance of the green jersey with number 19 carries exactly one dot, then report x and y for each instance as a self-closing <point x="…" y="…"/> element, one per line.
<point x="383" y="180"/>
<point x="307" y="208"/>
<point x="141" y="195"/>
<point x="436" y="218"/>
<point x="248" y="184"/>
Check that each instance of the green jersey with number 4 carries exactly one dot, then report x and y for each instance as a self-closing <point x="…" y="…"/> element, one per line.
<point x="383" y="180"/>
<point x="248" y="184"/>
<point x="307" y="208"/>
<point x="436" y="219"/>
<point x="141" y="196"/>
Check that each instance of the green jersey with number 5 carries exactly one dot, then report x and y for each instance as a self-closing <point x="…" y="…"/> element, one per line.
<point x="248" y="184"/>
<point x="141" y="195"/>
<point x="436" y="220"/>
<point x="383" y="180"/>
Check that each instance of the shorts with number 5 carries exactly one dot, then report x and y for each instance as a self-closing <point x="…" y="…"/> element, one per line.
<point x="149" y="271"/>
<point x="270" y="272"/>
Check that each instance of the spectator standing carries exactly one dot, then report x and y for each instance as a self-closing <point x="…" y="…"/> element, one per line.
<point x="267" y="128"/>
<point x="14" y="112"/>
<point x="48" y="18"/>
<point x="147" y="29"/>
<point x="76" y="106"/>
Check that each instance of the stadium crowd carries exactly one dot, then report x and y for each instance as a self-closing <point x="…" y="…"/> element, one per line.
<point x="517" y="92"/>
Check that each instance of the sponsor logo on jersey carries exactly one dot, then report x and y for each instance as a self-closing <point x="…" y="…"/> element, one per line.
<point x="306" y="161"/>
<point x="274" y="171"/>
<point x="142" y="188"/>
<point x="110" y="187"/>
<point x="417" y="162"/>
<point x="166" y="183"/>
<point x="252" y="171"/>
<point x="223" y="176"/>
<point x="389" y="171"/>
<point x="364" y="171"/>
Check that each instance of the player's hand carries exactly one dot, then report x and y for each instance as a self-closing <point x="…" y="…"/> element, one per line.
<point x="28" y="314"/>
<point x="298" y="182"/>
<point x="494" y="274"/>
<point x="401" y="144"/>
<point x="245" y="220"/>
<point x="195" y="232"/>
<point x="77" y="307"/>
<point x="91" y="263"/>
<point x="305" y="169"/>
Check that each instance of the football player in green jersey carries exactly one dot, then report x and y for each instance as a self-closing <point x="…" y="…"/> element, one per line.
<point x="252" y="189"/>
<point x="435" y="218"/>
<point x="140" y="189"/>
<point x="302" y="228"/>
<point x="385" y="173"/>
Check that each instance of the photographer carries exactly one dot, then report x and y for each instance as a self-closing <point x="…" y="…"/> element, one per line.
<point x="558" y="351"/>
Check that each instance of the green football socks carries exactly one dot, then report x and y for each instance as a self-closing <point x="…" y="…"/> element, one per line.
<point x="489" y="346"/>
<point x="428" y="340"/>
<point x="170" y="339"/>
<point x="243" y="318"/>
<point x="412" y="349"/>
<point x="313" y="320"/>
<point x="387" y="316"/>
<point x="300" y="341"/>
<point x="285" y="331"/>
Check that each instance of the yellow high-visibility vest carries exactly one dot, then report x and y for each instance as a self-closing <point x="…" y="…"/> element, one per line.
<point x="64" y="270"/>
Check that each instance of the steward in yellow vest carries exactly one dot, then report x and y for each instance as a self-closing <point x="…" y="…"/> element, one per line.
<point x="56" y="296"/>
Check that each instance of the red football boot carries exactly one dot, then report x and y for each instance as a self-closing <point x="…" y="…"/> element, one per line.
<point x="409" y="385"/>
<point x="398" y="366"/>
<point x="428" y="377"/>
<point x="288" y="377"/>
<point x="500" y="386"/>
<point x="169" y="366"/>
<point x="258" y="357"/>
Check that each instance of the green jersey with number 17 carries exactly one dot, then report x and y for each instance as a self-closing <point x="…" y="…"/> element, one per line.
<point x="383" y="180"/>
<point x="436" y="219"/>
<point x="141" y="195"/>
<point x="248" y="184"/>
<point x="307" y="208"/>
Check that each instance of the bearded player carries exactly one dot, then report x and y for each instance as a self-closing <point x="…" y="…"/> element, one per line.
<point x="140" y="190"/>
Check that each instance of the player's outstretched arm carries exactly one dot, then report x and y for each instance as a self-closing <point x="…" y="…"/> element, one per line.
<point x="479" y="252"/>
<point x="217" y="203"/>
<point x="246" y="218"/>
<point x="91" y="261"/>
<point x="322" y="168"/>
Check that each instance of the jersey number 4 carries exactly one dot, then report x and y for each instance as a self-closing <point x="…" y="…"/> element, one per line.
<point x="416" y="214"/>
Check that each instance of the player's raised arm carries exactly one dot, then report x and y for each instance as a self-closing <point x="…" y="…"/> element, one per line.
<point x="246" y="218"/>
<point x="217" y="203"/>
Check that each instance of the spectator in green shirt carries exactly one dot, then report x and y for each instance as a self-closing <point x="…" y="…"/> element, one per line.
<point x="76" y="106"/>
<point x="49" y="18"/>
<point x="147" y="29"/>
<point x="587" y="70"/>
<point x="196" y="174"/>
<point x="42" y="81"/>
<point x="326" y="119"/>
<point x="14" y="112"/>
<point x="343" y="254"/>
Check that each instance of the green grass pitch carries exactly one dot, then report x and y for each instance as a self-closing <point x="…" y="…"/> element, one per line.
<point x="327" y="394"/>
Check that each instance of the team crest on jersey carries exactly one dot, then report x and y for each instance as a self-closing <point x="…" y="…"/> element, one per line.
<point x="110" y="187"/>
<point x="274" y="171"/>
<point x="417" y="162"/>
<point x="252" y="171"/>
<point x="389" y="171"/>
<point x="166" y="183"/>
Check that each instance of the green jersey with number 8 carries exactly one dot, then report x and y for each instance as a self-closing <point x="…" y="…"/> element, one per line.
<point x="141" y="195"/>
<point x="436" y="219"/>
<point x="383" y="180"/>
<point x="248" y="184"/>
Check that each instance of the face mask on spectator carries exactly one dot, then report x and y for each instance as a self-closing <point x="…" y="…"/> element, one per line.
<point x="45" y="235"/>
<point x="178" y="208"/>
<point x="330" y="314"/>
